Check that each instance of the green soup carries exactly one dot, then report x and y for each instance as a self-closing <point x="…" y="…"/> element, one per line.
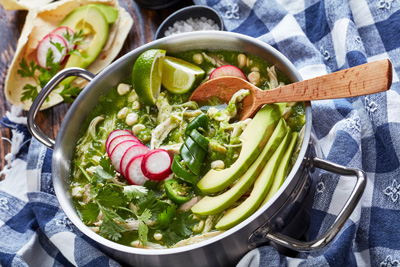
<point x="150" y="215"/>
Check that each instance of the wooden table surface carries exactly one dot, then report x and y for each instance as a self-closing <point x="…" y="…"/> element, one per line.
<point x="145" y="25"/>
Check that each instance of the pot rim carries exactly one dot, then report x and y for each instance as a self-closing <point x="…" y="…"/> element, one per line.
<point x="71" y="213"/>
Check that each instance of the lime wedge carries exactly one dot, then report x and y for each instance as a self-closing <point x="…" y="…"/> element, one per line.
<point x="146" y="75"/>
<point x="180" y="76"/>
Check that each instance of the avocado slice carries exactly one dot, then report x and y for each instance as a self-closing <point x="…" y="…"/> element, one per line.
<point x="109" y="12"/>
<point x="213" y="205"/>
<point x="261" y="186"/>
<point x="95" y="28"/>
<point x="253" y="138"/>
<point x="282" y="169"/>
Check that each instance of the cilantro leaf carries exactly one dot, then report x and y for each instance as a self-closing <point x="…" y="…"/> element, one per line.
<point x="75" y="39"/>
<point x="150" y="184"/>
<point x="27" y="70"/>
<point x="184" y="223"/>
<point x="150" y="201"/>
<point x="58" y="46"/>
<point x="143" y="228"/>
<point x="67" y="35"/>
<point x="134" y="191"/>
<point x="90" y="212"/>
<point x="179" y="229"/>
<point x="76" y="53"/>
<point x="111" y="215"/>
<point x="49" y="58"/>
<point x="70" y="93"/>
<point x="105" y="163"/>
<point x="94" y="188"/>
<point x="145" y="216"/>
<point x="166" y="217"/>
<point x="105" y="171"/>
<point x="109" y="197"/>
<point x="147" y="201"/>
<point x="157" y="208"/>
<point x="170" y="237"/>
<point x="110" y="226"/>
<point x="101" y="175"/>
<point x="29" y="92"/>
<point x="111" y="229"/>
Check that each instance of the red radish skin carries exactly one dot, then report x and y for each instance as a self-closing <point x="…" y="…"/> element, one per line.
<point x="62" y="31"/>
<point x="156" y="164"/>
<point x="118" y="152"/>
<point x="129" y="154"/>
<point x="45" y="44"/>
<point x="119" y="139"/>
<point x="227" y="70"/>
<point x="116" y="133"/>
<point x="134" y="174"/>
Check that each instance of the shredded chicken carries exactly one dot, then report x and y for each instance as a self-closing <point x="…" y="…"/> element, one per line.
<point x="99" y="219"/>
<point x="214" y="146"/>
<point x="95" y="229"/>
<point x="196" y="239"/>
<point x="192" y="113"/>
<point x="231" y="110"/>
<point x="84" y="143"/>
<point x="216" y="61"/>
<point x="273" y="78"/>
<point x="188" y="205"/>
<point x="239" y="127"/>
<point x="210" y="222"/>
<point x="116" y="180"/>
<point x="162" y="130"/>
<point x="86" y="194"/>
<point x="190" y="105"/>
<point x="77" y="191"/>
<point x="164" y="108"/>
<point x="172" y="149"/>
<point x="133" y="224"/>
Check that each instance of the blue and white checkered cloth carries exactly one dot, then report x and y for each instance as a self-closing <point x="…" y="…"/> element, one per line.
<point x="318" y="36"/>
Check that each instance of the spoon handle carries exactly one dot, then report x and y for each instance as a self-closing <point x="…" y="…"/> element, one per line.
<point x="365" y="79"/>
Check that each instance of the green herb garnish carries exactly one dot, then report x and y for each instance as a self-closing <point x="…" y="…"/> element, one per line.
<point x="43" y="75"/>
<point x="179" y="229"/>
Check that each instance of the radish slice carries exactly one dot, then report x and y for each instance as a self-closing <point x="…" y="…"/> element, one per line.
<point x="119" y="151"/>
<point x="134" y="174"/>
<point x="63" y="31"/>
<point x="119" y="139"/>
<point x="115" y="134"/>
<point x="129" y="154"/>
<point x="227" y="70"/>
<point x="48" y="43"/>
<point x="156" y="164"/>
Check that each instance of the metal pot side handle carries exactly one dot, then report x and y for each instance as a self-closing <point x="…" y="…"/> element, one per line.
<point x="342" y="217"/>
<point x="44" y="93"/>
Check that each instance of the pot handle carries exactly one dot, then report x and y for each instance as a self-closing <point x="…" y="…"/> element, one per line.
<point x="342" y="217"/>
<point x="44" y="93"/>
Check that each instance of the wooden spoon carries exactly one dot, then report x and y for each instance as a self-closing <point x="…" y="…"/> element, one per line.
<point x="365" y="79"/>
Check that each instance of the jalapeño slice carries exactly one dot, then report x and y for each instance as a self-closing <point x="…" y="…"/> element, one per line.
<point x="178" y="191"/>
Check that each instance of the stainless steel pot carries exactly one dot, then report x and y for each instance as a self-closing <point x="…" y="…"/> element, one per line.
<point x="227" y="248"/>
